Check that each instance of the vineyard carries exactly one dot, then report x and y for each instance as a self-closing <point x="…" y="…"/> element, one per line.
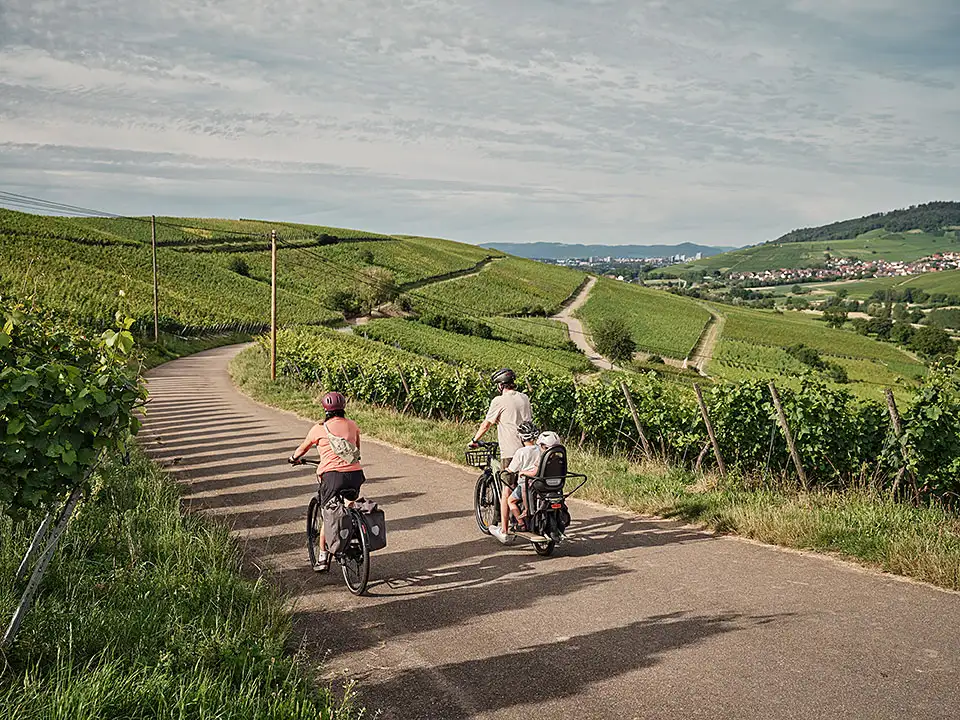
<point x="542" y="332"/>
<point x="660" y="323"/>
<point x="507" y="286"/>
<point x="80" y="266"/>
<point x="839" y="436"/>
<point x="485" y="354"/>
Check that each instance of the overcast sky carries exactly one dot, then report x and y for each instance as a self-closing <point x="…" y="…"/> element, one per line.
<point x="597" y="121"/>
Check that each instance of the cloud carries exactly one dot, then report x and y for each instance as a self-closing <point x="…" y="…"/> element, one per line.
<point x="612" y="121"/>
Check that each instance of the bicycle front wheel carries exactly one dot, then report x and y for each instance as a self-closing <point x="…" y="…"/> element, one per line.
<point x="313" y="530"/>
<point x="355" y="558"/>
<point x="486" y="502"/>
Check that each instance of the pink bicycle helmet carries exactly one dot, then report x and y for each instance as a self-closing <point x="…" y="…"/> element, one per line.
<point x="333" y="401"/>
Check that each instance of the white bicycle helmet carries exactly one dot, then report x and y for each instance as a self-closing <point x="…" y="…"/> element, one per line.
<point x="548" y="439"/>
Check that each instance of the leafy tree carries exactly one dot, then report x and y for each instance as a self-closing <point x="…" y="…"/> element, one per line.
<point x="880" y="327"/>
<point x="612" y="339"/>
<point x="901" y="333"/>
<point x="835" y="317"/>
<point x="931" y="341"/>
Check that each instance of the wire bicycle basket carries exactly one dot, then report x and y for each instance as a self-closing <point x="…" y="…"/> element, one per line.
<point x="480" y="457"/>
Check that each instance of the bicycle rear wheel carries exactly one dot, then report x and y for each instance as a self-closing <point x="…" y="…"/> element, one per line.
<point x="355" y="558"/>
<point x="313" y="530"/>
<point x="486" y="502"/>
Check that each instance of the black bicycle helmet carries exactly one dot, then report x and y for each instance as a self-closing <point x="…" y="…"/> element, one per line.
<point x="527" y="431"/>
<point x="504" y="376"/>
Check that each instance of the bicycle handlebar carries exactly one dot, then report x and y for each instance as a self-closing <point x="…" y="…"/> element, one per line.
<point x="303" y="461"/>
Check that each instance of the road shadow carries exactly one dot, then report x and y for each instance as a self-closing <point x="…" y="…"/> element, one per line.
<point x="460" y="594"/>
<point x="555" y="668"/>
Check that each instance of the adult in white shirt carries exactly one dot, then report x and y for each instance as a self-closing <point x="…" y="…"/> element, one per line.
<point x="525" y="461"/>
<point x="510" y="408"/>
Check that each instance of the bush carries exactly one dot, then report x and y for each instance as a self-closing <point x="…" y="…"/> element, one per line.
<point x="65" y="398"/>
<point x="612" y="339"/>
<point x="239" y="266"/>
<point x="376" y="286"/>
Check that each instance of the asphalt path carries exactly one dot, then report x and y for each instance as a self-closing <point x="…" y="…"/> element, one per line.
<point x="634" y="618"/>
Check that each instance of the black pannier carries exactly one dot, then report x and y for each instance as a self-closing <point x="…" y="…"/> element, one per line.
<point x="376" y="523"/>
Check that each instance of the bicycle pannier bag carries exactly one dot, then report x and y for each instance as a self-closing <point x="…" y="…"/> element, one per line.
<point x="337" y="526"/>
<point x="344" y="449"/>
<point x="376" y="524"/>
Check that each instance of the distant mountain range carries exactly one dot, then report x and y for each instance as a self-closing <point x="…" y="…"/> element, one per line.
<point x="562" y="251"/>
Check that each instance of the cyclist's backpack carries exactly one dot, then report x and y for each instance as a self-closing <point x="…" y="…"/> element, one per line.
<point x="376" y="523"/>
<point x="337" y="526"/>
<point x="344" y="449"/>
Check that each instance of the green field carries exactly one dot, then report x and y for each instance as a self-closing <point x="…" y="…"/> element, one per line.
<point x="507" y="286"/>
<point x="873" y="245"/>
<point x="946" y="282"/>
<point x="468" y="350"/>
<point x="661" y="323"/>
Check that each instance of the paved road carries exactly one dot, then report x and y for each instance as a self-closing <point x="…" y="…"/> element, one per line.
<point x="636" y="619"/>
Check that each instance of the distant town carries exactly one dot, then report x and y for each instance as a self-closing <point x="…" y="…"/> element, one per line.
<point x="849" y="269"/>
<point x="595" y="261"/>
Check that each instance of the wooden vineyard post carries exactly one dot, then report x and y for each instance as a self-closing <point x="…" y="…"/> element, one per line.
<point x="898" y="431"/>
<point x="636" y="419"/>
<point x="156" y="300"/>
<point x="273" y="304"/>
<point x="713" y="437"/>
<point x="788" y="435"/>
<point x="406" y="389"/>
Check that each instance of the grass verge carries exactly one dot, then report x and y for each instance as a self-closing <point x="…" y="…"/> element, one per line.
<point x="144" y="613"/>
<point x="918" y="542"/>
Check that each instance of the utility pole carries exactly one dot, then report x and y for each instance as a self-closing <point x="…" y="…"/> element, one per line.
<point x="156" y="301"/>
<point x="273" y="304"/>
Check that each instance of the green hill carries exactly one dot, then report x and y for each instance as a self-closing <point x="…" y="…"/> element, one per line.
<point x="214" y="274"/>
<point x="905" y="234"/>
<point x="876" y="244"/>
<point x="929" y="217"/>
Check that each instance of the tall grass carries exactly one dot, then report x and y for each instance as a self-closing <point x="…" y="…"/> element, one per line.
<point x="144" y="613"/>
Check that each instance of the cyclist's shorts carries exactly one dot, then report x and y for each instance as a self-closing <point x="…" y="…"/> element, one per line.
<point x="334" y="482"/>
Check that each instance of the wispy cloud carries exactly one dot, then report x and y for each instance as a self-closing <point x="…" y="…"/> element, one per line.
<point x="604" y="121"/>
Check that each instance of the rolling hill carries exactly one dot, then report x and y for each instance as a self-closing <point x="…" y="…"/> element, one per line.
<point x="907" y="235"/>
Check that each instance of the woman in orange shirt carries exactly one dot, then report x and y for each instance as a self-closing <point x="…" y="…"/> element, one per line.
<point x="338" y="472"/>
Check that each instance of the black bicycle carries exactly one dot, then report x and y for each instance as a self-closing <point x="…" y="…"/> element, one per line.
<point x="486" y="496"/>
<point x="543" y="498"/>
<point x="354" y="557"/>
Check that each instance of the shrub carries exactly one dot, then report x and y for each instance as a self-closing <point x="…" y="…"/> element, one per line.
<point x="239" y="266"/>
<point x="376" y="286"/>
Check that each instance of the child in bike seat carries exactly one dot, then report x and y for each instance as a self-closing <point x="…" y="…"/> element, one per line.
<point x="546" y="440"/>
<point x="527" y="457"/>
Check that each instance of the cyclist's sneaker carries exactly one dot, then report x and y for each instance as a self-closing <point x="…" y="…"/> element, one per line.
<point x="323" y="562"/>
<point x="504" y="538"/>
